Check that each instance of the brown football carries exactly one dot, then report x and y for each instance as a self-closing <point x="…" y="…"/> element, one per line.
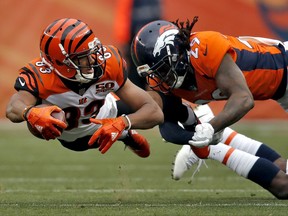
<point x="58" y="115"/>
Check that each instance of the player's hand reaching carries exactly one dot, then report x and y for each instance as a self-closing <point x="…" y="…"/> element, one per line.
<point x="108" y="133"/>
<point x="203" y="135"/>
<point x="40" y="118"/>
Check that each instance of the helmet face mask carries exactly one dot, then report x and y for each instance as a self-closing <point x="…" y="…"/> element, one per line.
<point x="167" y="74"/>
<point x="157" y="53"/>
<point x="87" y="60"/>
<point x="70" y="48"/>
<point x="163" y="75"/>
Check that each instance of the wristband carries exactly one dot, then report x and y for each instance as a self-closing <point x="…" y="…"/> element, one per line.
<point x="25" y="111"/>
<point x="128" y="120"/>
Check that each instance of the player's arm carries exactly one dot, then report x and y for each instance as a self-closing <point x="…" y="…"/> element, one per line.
<point x="175" y="111"/>
<point x="20" y="101"/>
<point x="231" y="82"/>
<point x="22" y="107"/>
<point x="147" y="113"/>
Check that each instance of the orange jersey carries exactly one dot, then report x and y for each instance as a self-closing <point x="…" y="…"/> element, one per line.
<point x="79" y="101"/>
<point x="263" y="66"/>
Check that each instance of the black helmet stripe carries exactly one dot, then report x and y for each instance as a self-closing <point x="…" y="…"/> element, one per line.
<point x="49" y="40"/>
<point x="83" y="39"/>
<point x="48" y="29"/>
<point x="72" y="38"/>
<point x="67" y="30"/>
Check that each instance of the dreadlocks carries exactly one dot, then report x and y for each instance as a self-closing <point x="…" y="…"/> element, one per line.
<point x="185" y="31"/>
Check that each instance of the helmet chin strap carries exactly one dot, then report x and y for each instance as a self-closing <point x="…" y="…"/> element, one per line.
<point x="180" y="81"/>
<point x="78" y="77"/>
<point x="82" y="79"/>
<point x="189" y="81"/>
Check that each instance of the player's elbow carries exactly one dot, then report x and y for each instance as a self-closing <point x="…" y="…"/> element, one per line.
<point x="159" y="116"/>
<point x="243" y="104"/>
<point x="248" y="103"/>
<point x="156" y="115"/>
<point x="11" y="116"/>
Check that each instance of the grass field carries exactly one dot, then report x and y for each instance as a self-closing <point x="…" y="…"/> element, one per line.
<point x="43" y="178"/>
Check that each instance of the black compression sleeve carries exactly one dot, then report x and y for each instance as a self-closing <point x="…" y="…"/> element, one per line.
<point x="173" y="133"/>
<point x="173" y="108"/>
<point x="123" y="108"/>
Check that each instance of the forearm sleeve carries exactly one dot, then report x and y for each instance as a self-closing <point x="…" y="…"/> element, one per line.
<point x="174" y="133"/>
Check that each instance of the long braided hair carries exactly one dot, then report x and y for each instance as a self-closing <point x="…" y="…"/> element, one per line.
<point x="184" y="32"/>
<point x="183" y="41"/>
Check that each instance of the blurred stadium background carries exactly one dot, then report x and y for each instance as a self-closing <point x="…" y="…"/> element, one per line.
<point x="45" y="179"/>
<point x="22" y="22"/>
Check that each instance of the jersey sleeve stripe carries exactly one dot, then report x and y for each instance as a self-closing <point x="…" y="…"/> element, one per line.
<point x="36" y="72"/>
<point x="246" y="60"/>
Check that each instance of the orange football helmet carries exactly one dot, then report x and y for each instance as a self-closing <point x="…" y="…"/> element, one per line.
<point x="65" y="43"/>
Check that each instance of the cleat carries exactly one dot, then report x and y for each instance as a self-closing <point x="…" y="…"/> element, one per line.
<point x="137" y="143"/>
<point x="184" y="160"/>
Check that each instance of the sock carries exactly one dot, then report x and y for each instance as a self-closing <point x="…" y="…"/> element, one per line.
<point x="246" y="144"/>
<point x="237" y="160"/>
<point x="239" y="141"/>
<point x="263" y="172"/>
<point x="259" y="170"/>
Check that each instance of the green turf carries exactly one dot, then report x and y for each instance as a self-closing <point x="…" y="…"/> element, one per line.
<point x="43" y="178"/>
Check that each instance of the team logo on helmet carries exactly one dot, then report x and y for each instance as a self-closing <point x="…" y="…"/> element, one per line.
<point x="166" y="38"/>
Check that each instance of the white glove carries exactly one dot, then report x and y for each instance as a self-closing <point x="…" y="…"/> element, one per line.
<point x="203" y="135"/>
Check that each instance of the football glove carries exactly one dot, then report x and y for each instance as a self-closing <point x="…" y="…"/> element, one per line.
<point x="108" y="133"/>
<point x="203" y="135"/>
<point x="41" y="119"/>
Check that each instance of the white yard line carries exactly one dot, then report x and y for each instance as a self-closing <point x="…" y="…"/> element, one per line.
<point x="133" y="191"/>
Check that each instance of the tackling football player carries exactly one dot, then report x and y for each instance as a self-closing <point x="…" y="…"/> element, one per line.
<point x="206" y="66"/>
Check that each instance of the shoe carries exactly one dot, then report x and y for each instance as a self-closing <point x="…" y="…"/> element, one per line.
<point x="184" y="160"/>
<point x="137" y="143"/>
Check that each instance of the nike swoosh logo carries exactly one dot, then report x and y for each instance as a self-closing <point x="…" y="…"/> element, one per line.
<point x="21" y="82"/>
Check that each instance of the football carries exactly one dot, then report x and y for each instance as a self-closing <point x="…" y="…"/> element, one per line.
<point x="57" y="115"/>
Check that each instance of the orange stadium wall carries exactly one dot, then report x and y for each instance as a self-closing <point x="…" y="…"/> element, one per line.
<point x="22" y="22"/>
